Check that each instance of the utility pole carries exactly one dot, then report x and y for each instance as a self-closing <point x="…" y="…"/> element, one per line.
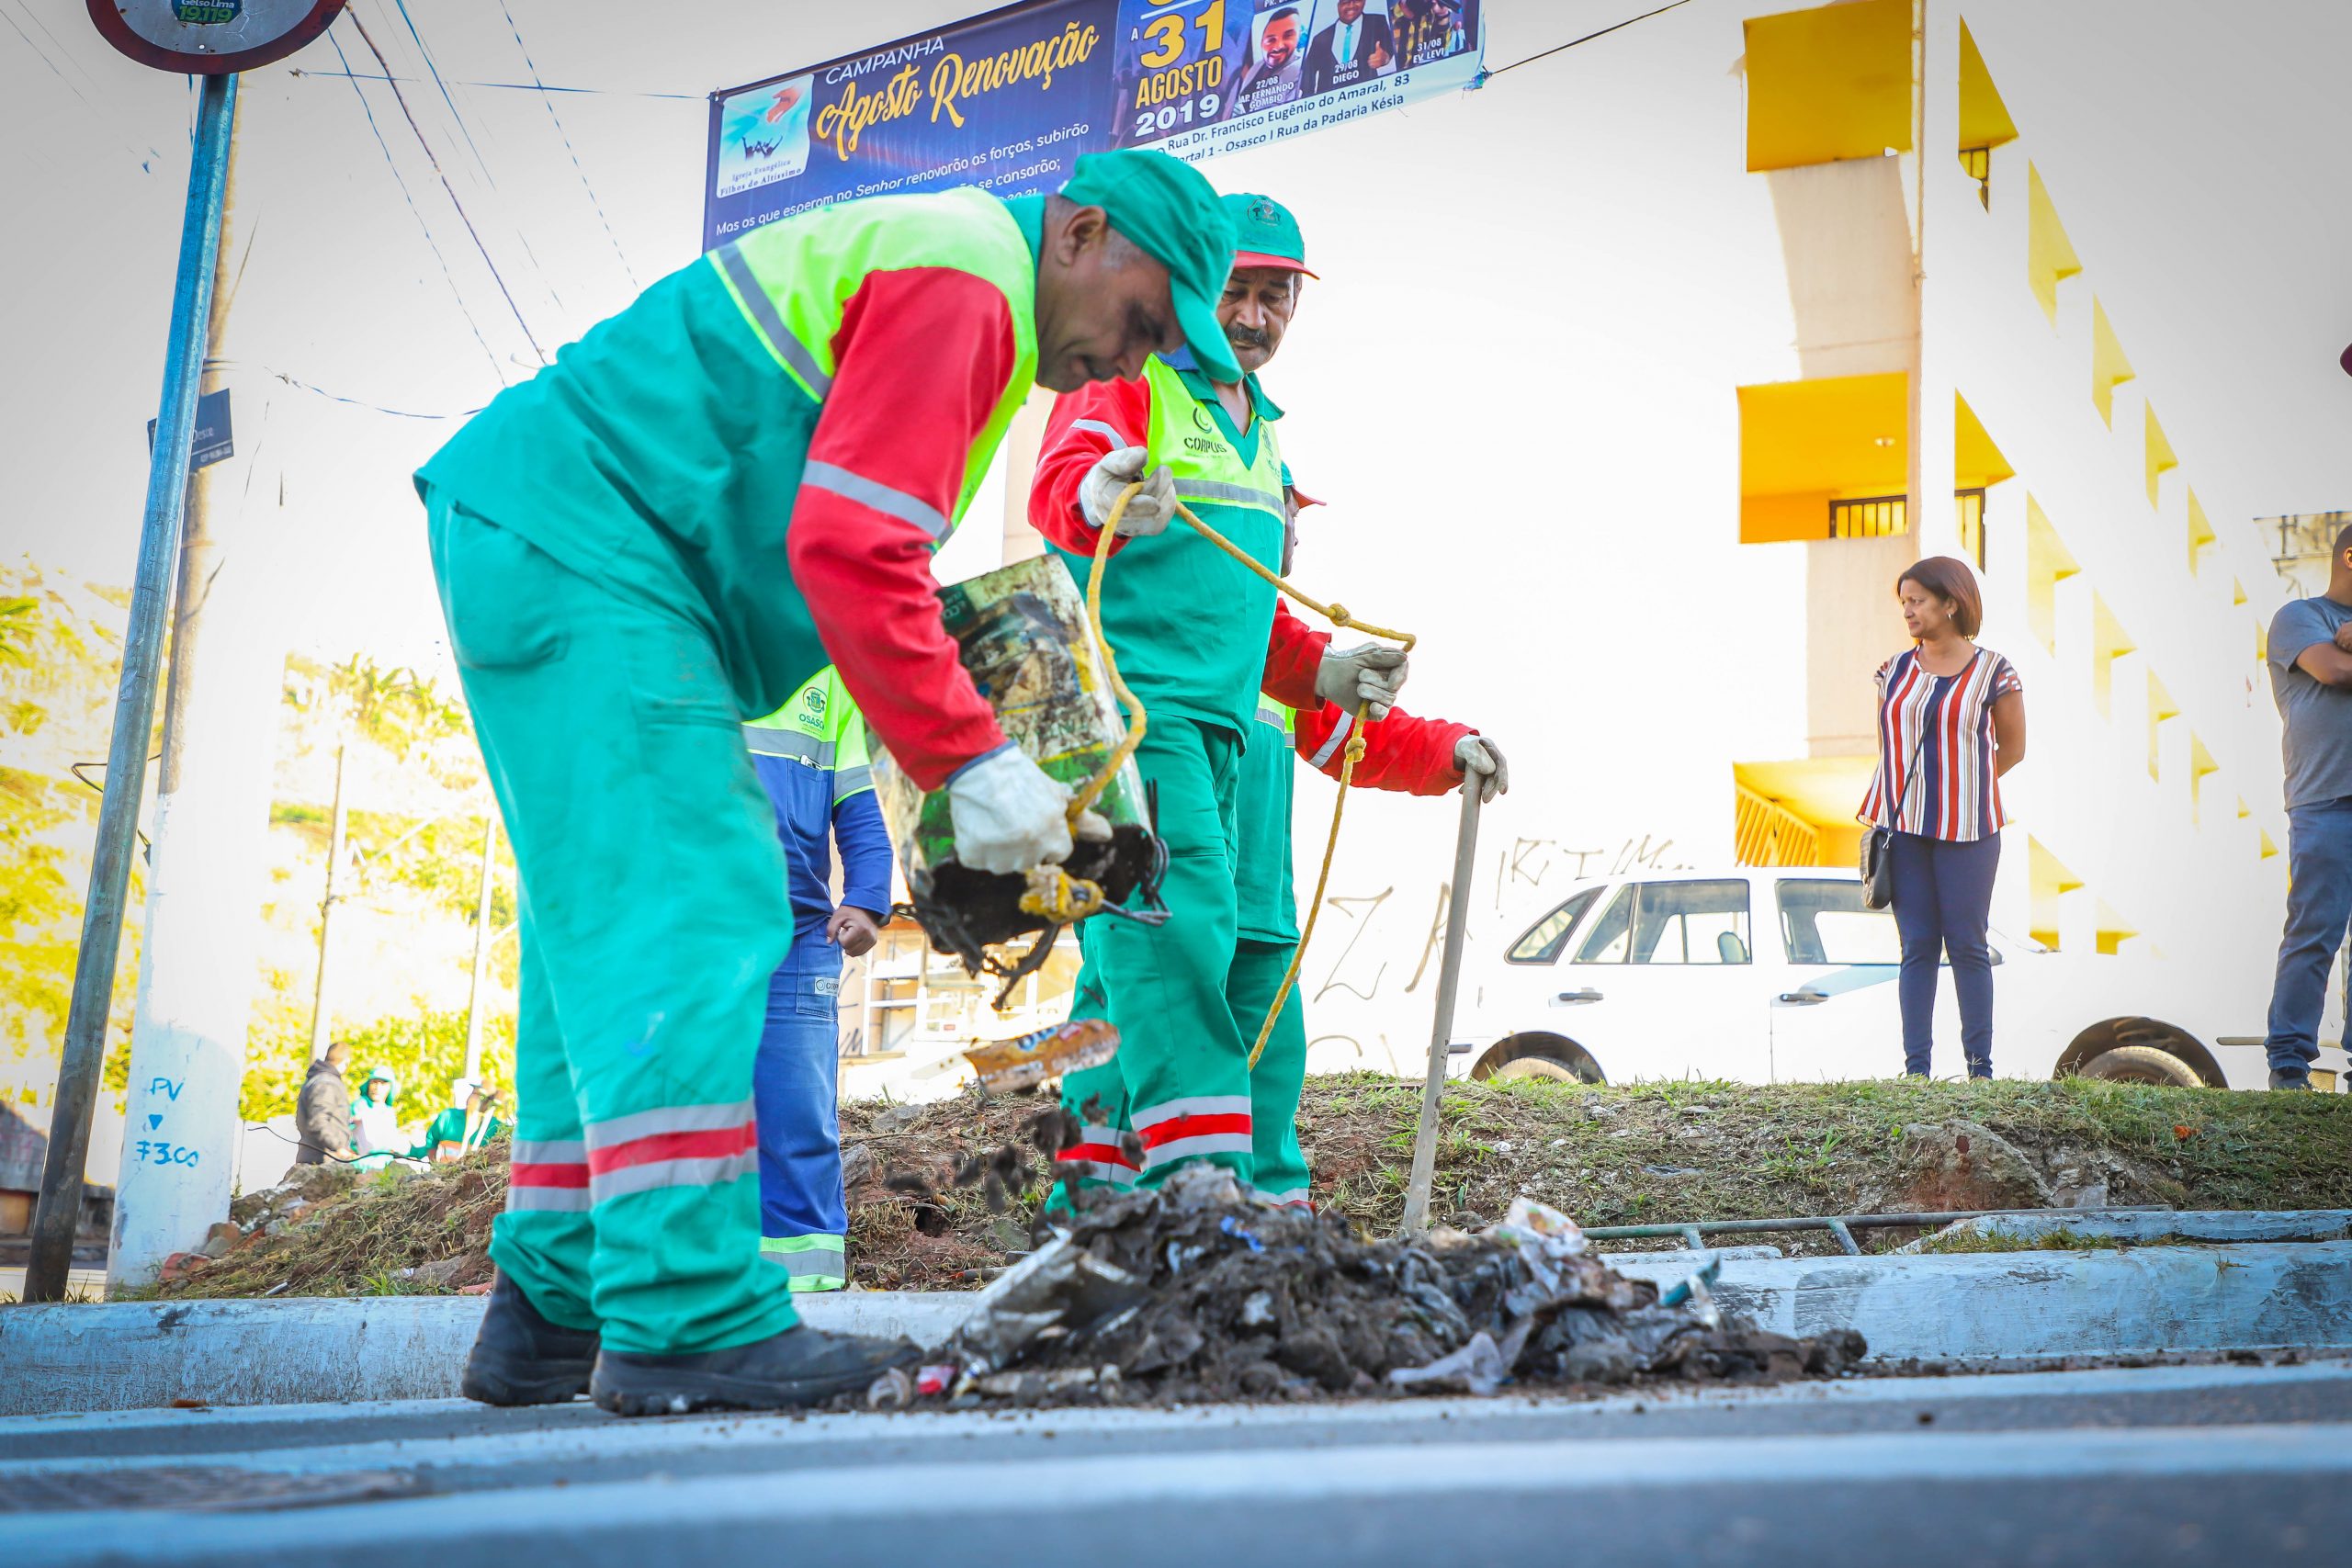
<point x="326" y="913"/>
<point x="59" y="1209"/>
<point x="481" y="949"/>
<point x="183" y="1132"/>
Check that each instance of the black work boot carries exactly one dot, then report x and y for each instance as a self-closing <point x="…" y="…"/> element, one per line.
<point x="2297" y="1081"/>
<point x="520" y="1357"/>
<point x="800" y="1366"/>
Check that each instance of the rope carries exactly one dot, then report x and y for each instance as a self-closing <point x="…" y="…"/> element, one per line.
<point x="1336" y="613"/>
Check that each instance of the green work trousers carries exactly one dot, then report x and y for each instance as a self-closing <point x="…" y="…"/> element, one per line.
<point x="1182" y="1078"/>
<point x="1279" y="1166"/>
<point x="653" y="911"/>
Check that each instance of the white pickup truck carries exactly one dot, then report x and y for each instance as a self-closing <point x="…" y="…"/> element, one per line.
<point x="1777" y="974"/>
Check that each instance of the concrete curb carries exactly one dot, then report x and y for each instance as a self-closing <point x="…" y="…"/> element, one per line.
<point x="1972" y="1308"/>
<point x="2143" y="1226"/>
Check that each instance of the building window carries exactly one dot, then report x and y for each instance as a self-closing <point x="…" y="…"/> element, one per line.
<point x="1872" y="517"/>
<point x="1971" y="503"/>
<point x="1978" y="162"/>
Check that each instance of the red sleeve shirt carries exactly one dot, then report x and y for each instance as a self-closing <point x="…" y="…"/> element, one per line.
<point x="922" y="358"/>
<point x="1402" y="752"/>
<point x="1084" y="427"/>
<point x="1293" y="650"/>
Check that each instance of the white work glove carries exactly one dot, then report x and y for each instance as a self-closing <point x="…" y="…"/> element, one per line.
<point x="1481" y="761"/>
<point x="1007" y="816"/>
<point x="1154" y="504"/>
<point x="1362" y="679"/>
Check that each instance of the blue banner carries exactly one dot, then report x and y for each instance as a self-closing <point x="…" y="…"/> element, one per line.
<point x="1008" y="100"/>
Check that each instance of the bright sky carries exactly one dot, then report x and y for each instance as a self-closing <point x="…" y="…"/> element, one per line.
<point x="1495" y="384"/>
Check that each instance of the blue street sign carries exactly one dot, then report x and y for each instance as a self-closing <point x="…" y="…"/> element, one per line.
<point x="211" y="442"/>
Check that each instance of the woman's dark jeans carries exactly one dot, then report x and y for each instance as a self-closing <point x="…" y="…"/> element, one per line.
<point x="1944" y="896"/>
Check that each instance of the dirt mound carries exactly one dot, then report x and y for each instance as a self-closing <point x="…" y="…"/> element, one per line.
<point x="1198" y="1292"/>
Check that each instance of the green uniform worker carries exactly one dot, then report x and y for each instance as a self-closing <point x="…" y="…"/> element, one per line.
<point x="1197" y="637"/>
<point x="734" y="482"/>
<point x="1267" y="932"/>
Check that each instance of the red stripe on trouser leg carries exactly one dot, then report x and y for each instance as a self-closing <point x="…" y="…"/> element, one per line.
<point x="1177" y="1127"/>
<point x="1098" y="1154"/>
<point x="715" y="1144"/>
<point x="547" y="1176"/>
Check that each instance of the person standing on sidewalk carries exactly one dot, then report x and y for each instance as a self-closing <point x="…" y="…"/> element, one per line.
<point x="812" y="757"/>
<point x="2310" y="679"/>
<point x="1950" y="722"/>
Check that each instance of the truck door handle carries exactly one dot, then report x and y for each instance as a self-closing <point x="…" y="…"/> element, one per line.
<point x="1570" y="998"/>
<point x="1803" y="996"/>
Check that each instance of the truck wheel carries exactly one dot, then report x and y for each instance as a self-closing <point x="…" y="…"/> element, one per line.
<point x="2141" y="1063"/>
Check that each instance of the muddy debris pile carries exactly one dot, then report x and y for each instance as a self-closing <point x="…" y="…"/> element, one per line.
<point x="1198" y="1292"/>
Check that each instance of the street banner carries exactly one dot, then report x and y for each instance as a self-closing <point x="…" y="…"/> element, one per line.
<point x="1009" y="100"/>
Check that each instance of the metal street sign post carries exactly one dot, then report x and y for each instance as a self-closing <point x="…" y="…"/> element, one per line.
<point x="210" y="40"/>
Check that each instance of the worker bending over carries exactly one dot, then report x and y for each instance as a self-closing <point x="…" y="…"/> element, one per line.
<point x="812" y="757"/>
<point x="1197" y="636"/>
<point x="732" y="483"/>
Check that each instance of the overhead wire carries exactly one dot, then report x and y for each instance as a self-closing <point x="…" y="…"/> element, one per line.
<point x="433" y="68"/>
<point x="1486" y="76"/>
<point x="518" y="87"/>
<point x="401" y="98"/>
<point x="532" y="66"/>
<point x="497" y="367"/>
<point x="146" y="160"/>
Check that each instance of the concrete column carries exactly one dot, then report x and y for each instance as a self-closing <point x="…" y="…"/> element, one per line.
<point x="1939" y="185"/>
<point x="203" y="929"/>
<point x="1023" y="542"/>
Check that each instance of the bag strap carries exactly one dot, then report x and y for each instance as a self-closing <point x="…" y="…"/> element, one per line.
<point x="1910" y="769"/>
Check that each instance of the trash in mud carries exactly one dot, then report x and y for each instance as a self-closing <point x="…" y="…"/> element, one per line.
<point x="1199" y="1291"/>
<point x="1020" y="1064"/>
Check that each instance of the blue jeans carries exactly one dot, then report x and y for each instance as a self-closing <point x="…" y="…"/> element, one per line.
<point x="2319" y="903"/>
<point x="803" y="1219"/>
<point x="1943" y="897"/>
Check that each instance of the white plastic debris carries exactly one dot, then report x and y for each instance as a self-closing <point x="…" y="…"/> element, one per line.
<point x="1477" y="1368"/>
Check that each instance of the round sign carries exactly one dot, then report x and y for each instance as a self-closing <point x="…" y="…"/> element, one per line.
<point x="211" y="38"/>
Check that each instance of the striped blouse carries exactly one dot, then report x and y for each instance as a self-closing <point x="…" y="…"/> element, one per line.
<point x="1946" y="722"/>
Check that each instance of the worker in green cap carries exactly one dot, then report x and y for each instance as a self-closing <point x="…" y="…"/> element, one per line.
<point x="1197" y="636"/>
<point x="734" y="482"/>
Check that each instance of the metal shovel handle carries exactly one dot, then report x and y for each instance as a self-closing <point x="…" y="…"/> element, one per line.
<point x="1449" y="977"/>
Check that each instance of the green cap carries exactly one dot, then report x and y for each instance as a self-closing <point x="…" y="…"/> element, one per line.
<point x="1264" y="234"/>
<point x="1170" y="209"/>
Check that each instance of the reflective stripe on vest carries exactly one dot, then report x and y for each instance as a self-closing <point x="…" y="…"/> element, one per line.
<point x="819" y="727"/>
<point x="792" y="277"/>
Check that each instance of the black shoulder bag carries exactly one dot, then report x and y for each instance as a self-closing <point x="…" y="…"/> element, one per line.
<point x="1878" y="843"/>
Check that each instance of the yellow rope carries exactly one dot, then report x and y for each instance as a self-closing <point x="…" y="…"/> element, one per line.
<point x="1336" y="613"/>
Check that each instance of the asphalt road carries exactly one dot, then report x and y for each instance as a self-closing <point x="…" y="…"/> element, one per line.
<point x="2178" y="1465"/>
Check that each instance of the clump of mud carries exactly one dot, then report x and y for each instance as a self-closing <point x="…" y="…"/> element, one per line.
<point x="1197" y="1292"/>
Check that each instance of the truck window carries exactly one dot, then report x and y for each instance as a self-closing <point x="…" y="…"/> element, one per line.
<point x="1542" y="943"/>
<point x="1673" y="922"/>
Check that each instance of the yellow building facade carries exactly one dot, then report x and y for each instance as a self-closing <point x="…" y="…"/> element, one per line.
<point x="1962" y="390"/>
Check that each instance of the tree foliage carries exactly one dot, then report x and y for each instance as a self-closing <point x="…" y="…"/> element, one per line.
<point x="60" y="646"/>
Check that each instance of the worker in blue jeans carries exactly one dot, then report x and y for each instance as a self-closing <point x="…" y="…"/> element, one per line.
<point x="2310" y="679"/>
<point x="811" y="757"/>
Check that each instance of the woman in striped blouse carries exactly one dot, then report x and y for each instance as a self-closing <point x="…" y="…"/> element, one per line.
<point x="1950" y="722"/>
